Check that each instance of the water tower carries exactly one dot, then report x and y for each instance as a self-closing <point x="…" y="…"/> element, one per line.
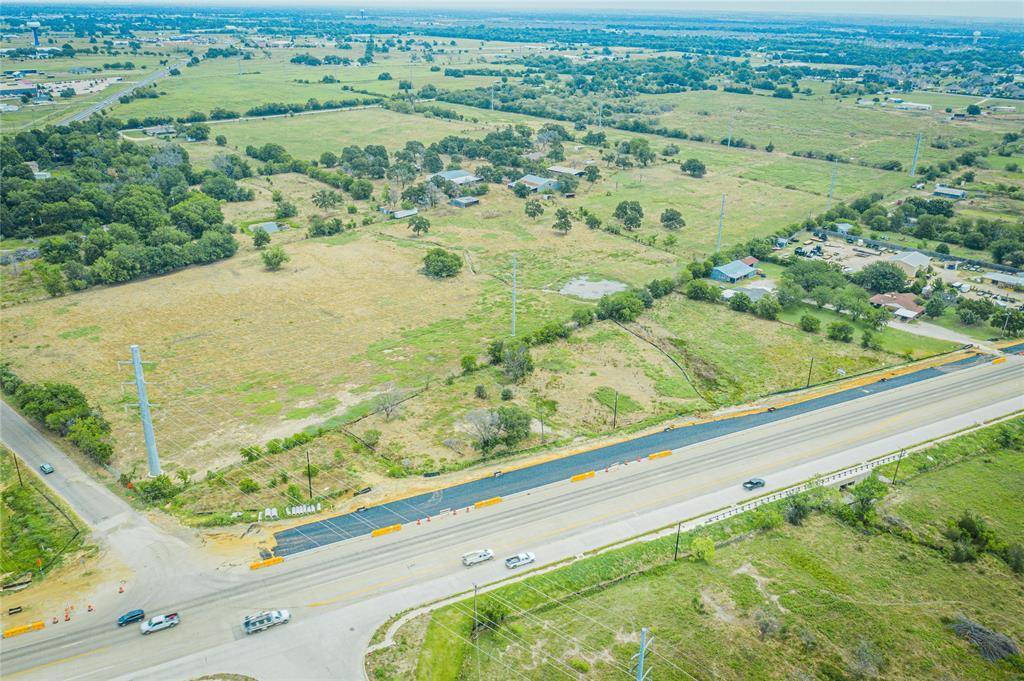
<point x="35" y="26"/>
<point x="977" y="34"/>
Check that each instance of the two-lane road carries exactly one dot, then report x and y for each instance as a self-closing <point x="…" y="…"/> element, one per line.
<point x="340" y="593"/>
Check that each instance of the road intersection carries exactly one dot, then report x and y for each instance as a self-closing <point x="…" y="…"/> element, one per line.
<point x="341" y="593"/>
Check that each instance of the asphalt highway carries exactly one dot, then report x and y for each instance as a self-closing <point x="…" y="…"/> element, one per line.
<point x="339" y="593"/>
<point x="349" y="525"/>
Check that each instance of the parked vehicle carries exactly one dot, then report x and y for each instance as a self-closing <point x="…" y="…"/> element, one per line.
<point x="753" y="483"/>
<point x="264" y="620"/>
<point x="131" y="616"/>
<point x="519" y="560"/>
<point x="476" y="557"/>
<point x="159" y="622"/>
<point x="46" y="468"/>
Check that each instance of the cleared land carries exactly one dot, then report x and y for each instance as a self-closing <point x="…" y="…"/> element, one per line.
<point x="824" y="599"/>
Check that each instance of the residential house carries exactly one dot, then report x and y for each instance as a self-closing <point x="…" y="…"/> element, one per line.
<point x="732" y="272"/>
<point x="903" y="305"/>
<point x="457" y="177"/>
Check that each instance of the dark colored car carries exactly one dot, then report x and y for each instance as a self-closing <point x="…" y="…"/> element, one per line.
<point x="753" y="483"/>
<point x="46" y="468"/>
<point x="132" y="616"/>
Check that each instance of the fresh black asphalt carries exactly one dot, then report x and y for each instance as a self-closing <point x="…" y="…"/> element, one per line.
<point x="458" y="497"/>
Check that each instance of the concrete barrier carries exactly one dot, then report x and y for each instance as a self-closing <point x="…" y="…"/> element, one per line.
<point x="660" y="455"/>
<point x="582" y="476"/>
<point x="266" y="563"/>
<point x="24" y="629"/>
<point x="380" y="531"/>
<point x="487" y="502"/>
<point x="999" y="360"/>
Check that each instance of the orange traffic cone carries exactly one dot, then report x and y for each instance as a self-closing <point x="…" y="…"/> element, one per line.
<point x="90" y="607"/>
<point x="120" y="589"/>
<point x="54" y="619"/>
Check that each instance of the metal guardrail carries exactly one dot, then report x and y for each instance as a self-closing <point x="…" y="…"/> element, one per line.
<point x="803" y="487"/>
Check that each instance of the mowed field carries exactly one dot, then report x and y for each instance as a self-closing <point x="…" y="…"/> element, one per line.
<point x="822" y="123"/>
<point x="237" y="84"/>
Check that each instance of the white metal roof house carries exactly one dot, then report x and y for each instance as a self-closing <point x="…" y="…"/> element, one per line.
<point x="457" y="177"/>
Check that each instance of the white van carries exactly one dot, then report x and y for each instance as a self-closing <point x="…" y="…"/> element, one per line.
<point x="476" y="557"/>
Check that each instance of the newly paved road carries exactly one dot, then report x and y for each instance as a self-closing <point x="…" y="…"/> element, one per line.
<point x="346" y="526"/>
<point x="341" y="593"/>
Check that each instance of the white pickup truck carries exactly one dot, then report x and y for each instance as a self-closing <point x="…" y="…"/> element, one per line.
<point x="159" y="622"/>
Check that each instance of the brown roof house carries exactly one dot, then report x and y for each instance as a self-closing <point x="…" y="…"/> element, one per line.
<point x="901" y="304"/>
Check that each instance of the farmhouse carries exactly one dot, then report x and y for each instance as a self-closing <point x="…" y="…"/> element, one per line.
<point x="456" y="177"/>
<point x="566" y="170"/>
<point x="536" y="183"/>
<point x="910" y="261"/>
<point x="400" y="214"/>
<point x="945" y="192"/>
<point x="733" y="271"/>
<point x="465" y="201"/>
<point x="901" y="304"/>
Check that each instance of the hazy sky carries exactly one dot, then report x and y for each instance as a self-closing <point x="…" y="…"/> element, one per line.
<point x="980" y="9"/>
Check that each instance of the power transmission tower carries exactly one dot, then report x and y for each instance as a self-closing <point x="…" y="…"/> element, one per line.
<point x="514" y="267"/>
<point x="721" y="218"/>
<point x="638" y="667"/>
<point x="728" y="141"/>
<point x="147" y="418"/>
<point x="832" y="186"/>
<point x="917" y="155"/>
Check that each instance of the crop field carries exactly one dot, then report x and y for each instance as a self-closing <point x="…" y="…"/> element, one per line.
<point x="823" y="599"/>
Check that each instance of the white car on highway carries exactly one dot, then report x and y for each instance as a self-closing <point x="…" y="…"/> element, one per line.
<point x="264" y="620"/>
<point x="519" y="560"/>
<point x="159" y="622"/>
<point x="476" y="557"/>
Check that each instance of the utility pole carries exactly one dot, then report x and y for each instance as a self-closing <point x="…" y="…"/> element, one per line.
<point x="897" y="471"/>
<point x="641" y="657"/>
<point x="675" y="553"/>
<point x="17" y="468"/>
<point x="721" y="219"/>
<point x="832" y="186"/>
<point x="728" y="141"/>
<point x="615" y="411"/>
<point x="514" y="273"/>
<point x="147" y="418"/>
<point x="809" y="370"/>
<point x="917" y="154"/>
<point x="309" y="476"/>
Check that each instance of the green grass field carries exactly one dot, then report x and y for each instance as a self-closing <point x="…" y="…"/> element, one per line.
<point x="822" y="600"/>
